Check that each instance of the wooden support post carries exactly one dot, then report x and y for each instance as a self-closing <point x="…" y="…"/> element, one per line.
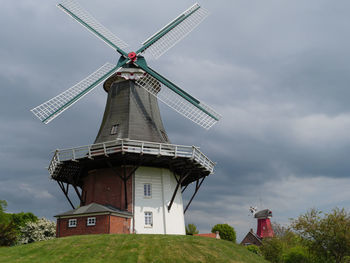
<point x="65" y="191"/>
<point x="75" y="181"/>
<point x="198" y="185"/>
<point x="125" y="177"/>
<point x="183" y="190"/>
<point x="125" y="188"/>
<point x="179" y="182"/>
<point x="114" y="170"/>
<point x="79" y="194"/>
<point x="132" y="171"/>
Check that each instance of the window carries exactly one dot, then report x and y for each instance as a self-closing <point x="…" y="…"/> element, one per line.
<point x="72" y="223"/>
<point x="147" y="190"/>
<point x="91" y="221"/>
<point x="114" y="129"/>
<point x="148" y="219"/>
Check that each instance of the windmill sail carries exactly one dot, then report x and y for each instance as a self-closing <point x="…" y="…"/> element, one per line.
<point x="73" y="9"/>
<point x="179" y="100"/>
<point x="157" y="44"/>
<point x="50" y="109"/>
<point x="173" y="32"/>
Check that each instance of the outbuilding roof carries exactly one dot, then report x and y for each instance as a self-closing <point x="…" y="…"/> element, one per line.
<point x="251" y="239"/>
<point x="95" y="208"/>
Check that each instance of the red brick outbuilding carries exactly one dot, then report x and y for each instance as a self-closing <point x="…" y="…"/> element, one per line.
<point x="93" y="219"/>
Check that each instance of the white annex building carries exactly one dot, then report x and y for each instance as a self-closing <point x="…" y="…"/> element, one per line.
<point x="153" y="192"/>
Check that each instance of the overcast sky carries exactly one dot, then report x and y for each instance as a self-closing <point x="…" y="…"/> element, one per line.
<point x="277" y="71"/>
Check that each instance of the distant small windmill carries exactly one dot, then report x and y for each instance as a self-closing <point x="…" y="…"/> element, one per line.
<point x="264" y="228"/>
<point x="131" y="179"/>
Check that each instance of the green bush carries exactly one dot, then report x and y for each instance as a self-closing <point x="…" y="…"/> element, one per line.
<point x="21" y="219"/>
<point x="296" y="254"/>
<point x="254" y="249"/>
<point x="11" y="224"/>
<point x="191" y="229"/>
<point x="8" y="234"/>
<point x="272" y="249"/>
<point x="226" y="232"/>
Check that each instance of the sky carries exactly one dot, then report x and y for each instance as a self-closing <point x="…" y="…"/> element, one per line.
<point x="277" y="71"/>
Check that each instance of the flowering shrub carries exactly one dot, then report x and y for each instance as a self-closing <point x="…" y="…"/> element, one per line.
<point x="43" y="229"/>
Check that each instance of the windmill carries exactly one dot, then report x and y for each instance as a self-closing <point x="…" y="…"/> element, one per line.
<point x="264" y="228"/>
<point x="264" y="224"/>
<point x="131" y="178"/>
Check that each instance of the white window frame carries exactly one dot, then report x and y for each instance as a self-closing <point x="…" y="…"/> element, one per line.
<point x="91" y="221"/>
<point x="148" y="219"/>
<point x="147" y="193"/>
<point x="72" y="223"/>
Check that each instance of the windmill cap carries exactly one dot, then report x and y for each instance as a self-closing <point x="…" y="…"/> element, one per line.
<point x="123" y="74"/>
<point x="266" y="213"/>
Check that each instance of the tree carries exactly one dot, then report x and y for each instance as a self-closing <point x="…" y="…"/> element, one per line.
<point x="8" y="234"/>
<point x="43" y="229"/>
<point x="285" y="246"/>
<point x="3" y="205"/>
<point x="191" y="229"/>
<point x="10" y="224"/>
<point x="279" y="230"/>
<point x="4" y="218"/>
<point x="328" y="235"/>
<point x="226" y="232"/>
<point x="297" y="254"/>
<point x="272" y="249"/>
<point x="21" y="219"/>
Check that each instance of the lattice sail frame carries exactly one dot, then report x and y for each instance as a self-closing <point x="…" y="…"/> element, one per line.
<point x="157" y="44"/>
<point x="50" y="109"/>
<point x="180" y="27"/>
<point x="77" y="12"/>
<point x="178" y="103"/>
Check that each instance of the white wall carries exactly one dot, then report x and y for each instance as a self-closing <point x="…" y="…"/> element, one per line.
<point x="163" y="185"/>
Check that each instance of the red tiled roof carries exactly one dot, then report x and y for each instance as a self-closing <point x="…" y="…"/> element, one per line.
<point x="212" y="235"/>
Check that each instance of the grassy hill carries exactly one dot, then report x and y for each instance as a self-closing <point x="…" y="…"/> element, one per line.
<point x="129" y="248"/>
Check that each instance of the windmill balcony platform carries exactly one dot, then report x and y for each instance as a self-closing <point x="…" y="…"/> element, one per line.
<point x="68" y="165"/>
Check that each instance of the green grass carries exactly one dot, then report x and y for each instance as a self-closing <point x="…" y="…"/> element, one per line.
<point x="130" y="248"/>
